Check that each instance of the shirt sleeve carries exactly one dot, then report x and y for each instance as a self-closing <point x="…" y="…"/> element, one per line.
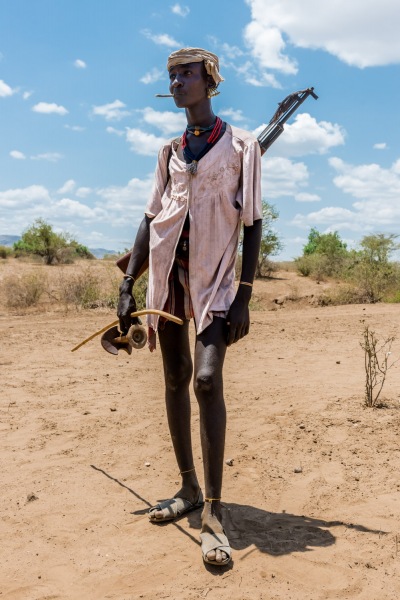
<point x="251" y="183"/>
<point x="154" y="204"/>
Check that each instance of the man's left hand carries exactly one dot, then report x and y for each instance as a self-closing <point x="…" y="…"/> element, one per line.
<point x="238" y="318"/>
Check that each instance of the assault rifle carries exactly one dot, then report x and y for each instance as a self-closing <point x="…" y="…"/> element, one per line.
<point x="285" y="110"/>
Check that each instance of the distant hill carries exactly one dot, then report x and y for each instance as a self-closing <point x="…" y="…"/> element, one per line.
<point x="9" y="240"/>
<point x="100" y="252"/>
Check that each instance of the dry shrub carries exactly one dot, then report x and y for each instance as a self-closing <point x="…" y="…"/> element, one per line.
<point x="81" y="289"/>
<point x="346" y="294"/>
<point x="5" y="252"/>
<point x="318" y="266"/>
<point x="393" y="297"/>
<point x="376" y="363"/>
<point x="93" y="287"/>
<point x="24" y="291"/>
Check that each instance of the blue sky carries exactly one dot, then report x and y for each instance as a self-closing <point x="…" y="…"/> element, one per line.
<point x="80" y="125"/>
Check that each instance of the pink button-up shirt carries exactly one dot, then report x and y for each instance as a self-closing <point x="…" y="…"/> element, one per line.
<point x="225" y="192"/>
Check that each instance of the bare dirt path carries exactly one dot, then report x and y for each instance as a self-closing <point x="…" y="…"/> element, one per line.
<point x="78" y="429"/>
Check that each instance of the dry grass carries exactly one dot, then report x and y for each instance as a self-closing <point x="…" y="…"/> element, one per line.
<point x="83" y="285"/>
<point x="24" y="291"/>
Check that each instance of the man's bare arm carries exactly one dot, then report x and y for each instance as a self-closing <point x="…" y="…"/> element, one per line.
<point x="137" y="265"/>
<point x="238" y="316"/>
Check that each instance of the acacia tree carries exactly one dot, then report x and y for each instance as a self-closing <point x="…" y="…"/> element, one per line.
<point x="271" y="243"/>
<point x="374" y="273"/>
<point x="328" y="244"/>
<point x="323" y="255"/>
<point x="42" y="240"/>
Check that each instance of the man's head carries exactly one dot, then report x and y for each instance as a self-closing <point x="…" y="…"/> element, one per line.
<point x="198" y="55"/>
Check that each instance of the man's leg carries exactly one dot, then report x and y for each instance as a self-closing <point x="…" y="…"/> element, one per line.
<point x="178" y="368"/>
<point x="208" y="384"/>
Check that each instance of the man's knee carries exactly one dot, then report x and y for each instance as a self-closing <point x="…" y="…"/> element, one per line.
<point x="179" y="375"/>
<point x="206" y="382"/>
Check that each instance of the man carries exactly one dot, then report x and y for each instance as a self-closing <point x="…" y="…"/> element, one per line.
<point x="206" y="185"/>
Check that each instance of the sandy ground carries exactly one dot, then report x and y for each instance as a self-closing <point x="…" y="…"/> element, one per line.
<point x="77" y="430"/>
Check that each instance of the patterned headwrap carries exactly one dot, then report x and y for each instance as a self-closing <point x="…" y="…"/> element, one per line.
<point x="190" y="55"/>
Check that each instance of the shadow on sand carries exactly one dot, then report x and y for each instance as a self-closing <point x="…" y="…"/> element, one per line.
<point x="246" y="526"/>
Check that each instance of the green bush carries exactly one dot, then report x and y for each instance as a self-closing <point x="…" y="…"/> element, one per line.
<point x="318" y="266"/>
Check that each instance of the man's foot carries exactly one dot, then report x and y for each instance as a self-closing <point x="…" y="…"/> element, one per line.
<point x="214" y="543"/>
<point x="184" y="501"/>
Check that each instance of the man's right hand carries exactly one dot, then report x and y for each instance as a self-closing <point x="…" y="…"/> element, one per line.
<point x="126" y="306"/>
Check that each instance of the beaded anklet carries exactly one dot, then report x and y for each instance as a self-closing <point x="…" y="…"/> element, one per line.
<point x="188" y="471"/>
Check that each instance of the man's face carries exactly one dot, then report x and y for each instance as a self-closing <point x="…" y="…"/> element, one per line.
<point x="188" y="84"/>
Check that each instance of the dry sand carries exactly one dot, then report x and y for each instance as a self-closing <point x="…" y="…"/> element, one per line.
<point x="77" y="430"/>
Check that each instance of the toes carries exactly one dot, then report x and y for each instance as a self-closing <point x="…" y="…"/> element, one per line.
<point x="155" y="515"/>
<point x="212" y="555"/>
<point x="217" y="556"/>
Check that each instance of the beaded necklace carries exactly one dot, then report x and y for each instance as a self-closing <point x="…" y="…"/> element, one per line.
<point x="191" y="166"/>
<point x="197" y="130"/>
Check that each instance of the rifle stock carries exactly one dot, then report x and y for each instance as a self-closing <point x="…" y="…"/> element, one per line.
<point x="285" y="110"/>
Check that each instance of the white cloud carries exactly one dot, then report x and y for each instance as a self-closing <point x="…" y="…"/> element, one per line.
<point x="144" y="143"/>
<point x="112" y="111"/>
<point x="180" y="10"/>
<point x="73" y="208"/>
<point x="368" y="182"/>
<point x="232" y="114"/>
<point x="83" y="192"/>
<point x="283" y="177"/>
<point x="161" y="39"/>
<point x="359" y="35"/>
<point x="168" y="122"/>
<point x="128" y="201"/>
<point x="80" y="64"/>
<point x="115" y="131"/>
<point x="253" y="76"/>
<point x="377" y="192"/>
<point x="49" y="108"/>
<point x="306" y="136"/>
<point x="305" y="197"/>
<point x="111" y="208"/>
<point x="26" y="95"/>
<point x="248" y="71"/>
<point x="5" y="89"/>
<point x="334" y="216"/>
<point x="266" y="45"/>
<point x="152" y="76"/>
<point x="75" y="127"/>
<point x="23" y="197"/>
<point x="49" y="156"/>
<point x="17" y="155"/>
<point x="380" y="146"/>
<point x="231" y="52"/>
<point x="67" y="187"/>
